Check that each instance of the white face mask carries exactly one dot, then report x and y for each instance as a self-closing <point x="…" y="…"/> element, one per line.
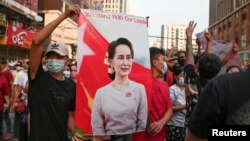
<point x="66" y="74"/>
<point x="165" y="68"/>
<point x="45" y="67"/>
<point x="181" y="81"/>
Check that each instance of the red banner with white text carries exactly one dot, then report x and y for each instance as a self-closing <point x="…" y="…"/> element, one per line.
<point x="19" y="37"/>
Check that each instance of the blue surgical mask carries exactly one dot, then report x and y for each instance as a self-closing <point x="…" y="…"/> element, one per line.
<point x="181" y="81"/>
<point x="55" y="66"/>
<point x="165" y="68"/>
<point x="66" y="74"/>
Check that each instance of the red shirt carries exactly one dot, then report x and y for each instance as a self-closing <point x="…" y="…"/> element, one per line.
<point x="8" y="75"/>
<point x="170" y="77"/>
<point x="160" y="103"/>
<point x="4" y="90"/>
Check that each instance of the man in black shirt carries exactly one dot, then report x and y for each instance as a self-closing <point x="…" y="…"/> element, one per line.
<point x="224" y="101"/>
<point x="51" y="96"/>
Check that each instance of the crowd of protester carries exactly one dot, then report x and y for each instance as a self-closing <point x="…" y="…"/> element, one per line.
<point x="14" y="93"/>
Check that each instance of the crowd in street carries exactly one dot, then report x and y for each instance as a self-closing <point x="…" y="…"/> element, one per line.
<point x="14" y="90"/>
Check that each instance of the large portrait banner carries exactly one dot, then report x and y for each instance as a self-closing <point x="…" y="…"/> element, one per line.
<point x="114" y="76"/>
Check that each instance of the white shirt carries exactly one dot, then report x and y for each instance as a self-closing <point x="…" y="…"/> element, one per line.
<point x="178" y="97"/>
<point x="118" y="112"/>
<point x="21" y="79"/>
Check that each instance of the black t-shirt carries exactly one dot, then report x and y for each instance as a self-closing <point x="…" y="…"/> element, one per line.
<point x="225" y="100"/>
<point x="49" y="103"/>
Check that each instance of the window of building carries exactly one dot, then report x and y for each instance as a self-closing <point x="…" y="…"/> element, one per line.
<point x="245" y="56"/>
<point x="238" y="3"/>
<point x="237" y="15"/>
<point x="219" y="29"/>
<point x="241" y="56"/>
<point x="243" y="40"/>
<point x="229" y="24"/>
<point x="237" y="19"/>
<point x="248" y="56"/>
<point x="244" y="16"/>
<point x="224" y="27"/>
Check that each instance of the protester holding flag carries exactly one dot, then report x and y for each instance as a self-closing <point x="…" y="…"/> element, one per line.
<point x="51" y="98"/>
<point x="120" y="107"/>
<point x="161" y="107"/>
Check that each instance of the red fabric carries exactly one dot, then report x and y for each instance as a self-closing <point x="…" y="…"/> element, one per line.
<point x="8" y="75"/>
<point x="170" y="77"/>
<point x="4" y="90"/>
<point x="160" y="103"/>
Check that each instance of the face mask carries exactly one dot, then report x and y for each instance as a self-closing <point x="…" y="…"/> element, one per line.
<point x="165" y="68"/>
<point x="66" y="74"/>
<point x="181" y="61"/>
<point x="181" y="81"/>
<point x="55" y="66"/>
<point x="45" y="67"/>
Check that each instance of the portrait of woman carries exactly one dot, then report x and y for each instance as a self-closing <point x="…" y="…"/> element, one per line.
<point x="120" y="107"/>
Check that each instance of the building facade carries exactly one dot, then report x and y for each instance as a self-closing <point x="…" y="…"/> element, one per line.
<point x="173" y="34"/>
<point x="230" y="20"/>
<point x="118" y="6"/>
<point x="18" y="25"/>
<point x="157" y="43"/>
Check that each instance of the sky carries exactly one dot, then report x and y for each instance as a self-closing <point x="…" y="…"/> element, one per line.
<point x="162" y="12"/>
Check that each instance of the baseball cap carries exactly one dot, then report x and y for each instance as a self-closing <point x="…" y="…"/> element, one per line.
<point x="58" y="47"/>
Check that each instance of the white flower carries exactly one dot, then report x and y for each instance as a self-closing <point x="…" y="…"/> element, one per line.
<point x="110" y="70"/>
